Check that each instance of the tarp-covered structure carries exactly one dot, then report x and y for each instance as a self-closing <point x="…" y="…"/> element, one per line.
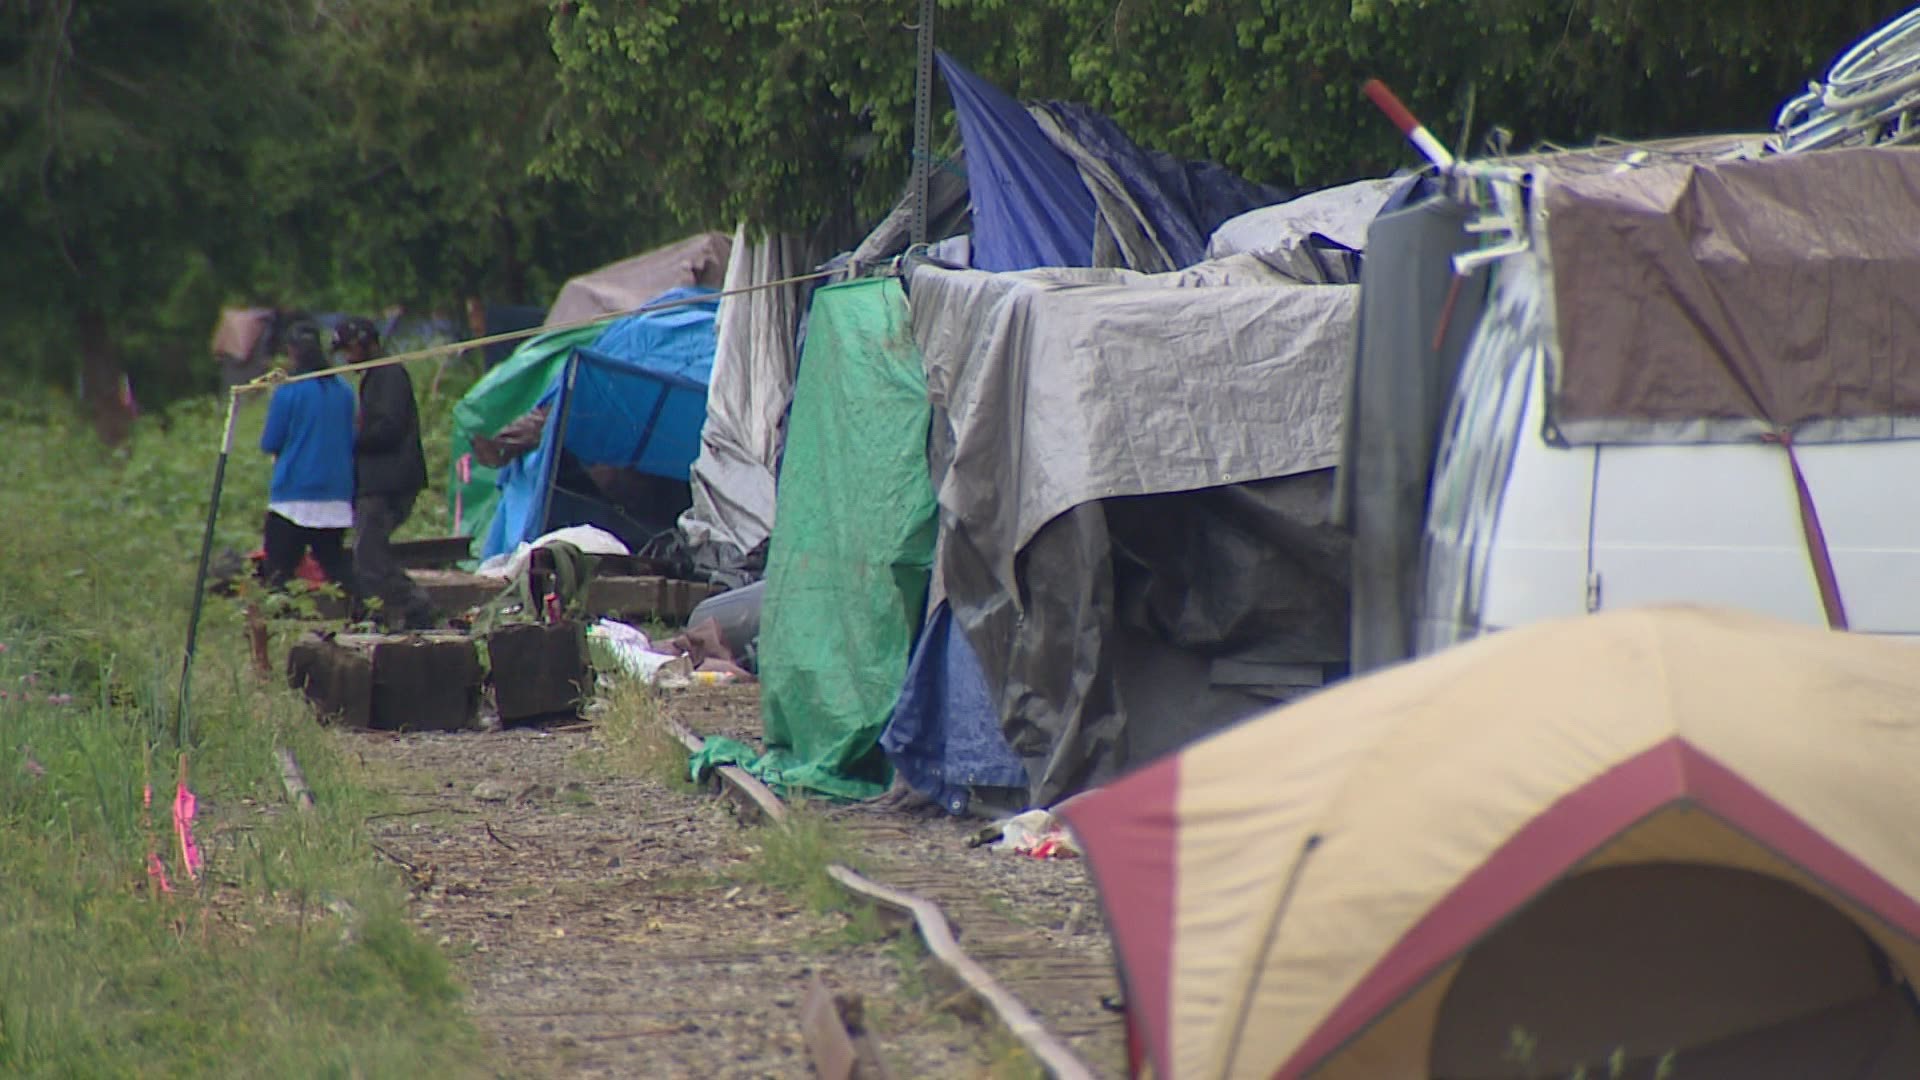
<point x="1134" y="477"/>
<point x="1657" y="831"/>
<point x="698" y="260"/>
<point x="1695" y="291"/>
<point x="1730" y="300"/>
<point x="634" y="399"/>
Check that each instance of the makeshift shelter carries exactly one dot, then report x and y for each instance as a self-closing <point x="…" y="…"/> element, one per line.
<point x="848" y="565"/>
<point x="635" y="399"/>
<point x="699" y="260"/>
<point x="501" y="396"/>
<point x="1658" y="831"/>
<point x="244" y="340"/>
<point x="1133" y="476"/>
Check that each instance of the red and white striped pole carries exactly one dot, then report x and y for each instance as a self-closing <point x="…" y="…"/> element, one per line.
<point x="1403" y="118"/>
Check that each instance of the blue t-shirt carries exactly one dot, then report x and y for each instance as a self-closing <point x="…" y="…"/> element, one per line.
<point x="310" y="427"/>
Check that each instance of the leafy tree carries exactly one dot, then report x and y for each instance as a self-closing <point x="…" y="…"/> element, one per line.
<point x="776" y="111"/>
<point x="407" y="179"/>
<point x="120" y="125"/>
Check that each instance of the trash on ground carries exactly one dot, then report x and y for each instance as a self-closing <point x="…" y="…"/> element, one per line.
<point x="1035" y="833"/>
<point x="681" y="663"/>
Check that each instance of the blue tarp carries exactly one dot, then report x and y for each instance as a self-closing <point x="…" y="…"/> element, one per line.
<point x="944" y="736"/>
<point x="1184" y="201"/>
<point x="1030" y="207"/>
<point x="637" y="399"/>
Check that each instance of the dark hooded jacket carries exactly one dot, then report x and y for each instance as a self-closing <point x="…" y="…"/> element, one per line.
<point x="387" y="454"/>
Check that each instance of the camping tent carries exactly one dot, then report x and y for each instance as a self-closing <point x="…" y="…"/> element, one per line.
<point x="1656" y="830"/>
<point x="634" y="399"/>
<point x="700" y="259"/>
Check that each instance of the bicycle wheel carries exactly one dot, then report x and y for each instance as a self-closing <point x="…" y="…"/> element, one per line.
<point x="1882" y="65"/>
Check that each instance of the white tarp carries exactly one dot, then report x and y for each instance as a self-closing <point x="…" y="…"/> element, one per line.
<point x="752" y="382"/>
<point x="1279" y="233"/>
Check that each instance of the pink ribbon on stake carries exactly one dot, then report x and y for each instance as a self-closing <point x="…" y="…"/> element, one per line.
<point x="184" y="805"/>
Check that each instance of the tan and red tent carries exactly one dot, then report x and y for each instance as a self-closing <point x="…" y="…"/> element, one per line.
<point x="1655" y="834"/>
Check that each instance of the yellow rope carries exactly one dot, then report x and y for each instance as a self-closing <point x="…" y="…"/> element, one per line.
<point x="276" y="377"/>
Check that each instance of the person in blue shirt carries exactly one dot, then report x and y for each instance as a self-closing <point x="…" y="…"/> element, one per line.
<point x="309" y="432"/>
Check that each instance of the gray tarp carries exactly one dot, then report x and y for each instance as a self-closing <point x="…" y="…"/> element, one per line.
<point x="1133" y="475"/>
<point x="753" y="370"/>
<point x="700" y="259"/>
<point x="1725" y="300"/>
<point x="1401" y="387"/>
<point x="1063" y="391"/>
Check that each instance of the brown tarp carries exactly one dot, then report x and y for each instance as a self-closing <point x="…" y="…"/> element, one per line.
<point x="1715" y="301"/>
<point x="623" y="286"/>
<point x="239" y="332"/>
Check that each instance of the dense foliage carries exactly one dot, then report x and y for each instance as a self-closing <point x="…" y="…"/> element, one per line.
<point x="158" y="157"/>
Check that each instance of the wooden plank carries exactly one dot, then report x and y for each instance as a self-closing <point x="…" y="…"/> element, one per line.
<point x="294" y="780"/>
<point x="432" y="552"/>
<point x="611" y="595"/>
<point x="539" y="670"/>
<point x="827" y="1038"/>
<point x="391" y="682"/>
<point x="938" y="934"/>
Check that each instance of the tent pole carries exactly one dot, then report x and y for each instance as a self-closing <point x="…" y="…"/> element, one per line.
<point x="200" y="575"/>
<point x="559" y="423"/>
<point x="922" y="121"/>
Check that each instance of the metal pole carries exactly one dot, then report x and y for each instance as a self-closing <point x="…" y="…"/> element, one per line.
<point x="200" y="576"/>
<point x="922" y="122"/>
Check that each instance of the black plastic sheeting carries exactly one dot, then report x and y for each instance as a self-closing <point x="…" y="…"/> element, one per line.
<point x="1135" y="608"/>
<point x="1401" y="389"/>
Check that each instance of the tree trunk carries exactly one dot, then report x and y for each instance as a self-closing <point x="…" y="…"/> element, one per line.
<point x="102" y="379"/>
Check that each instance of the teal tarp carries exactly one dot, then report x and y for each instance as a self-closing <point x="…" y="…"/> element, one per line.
<point x="499" y="398"/>
<point x="849" y="561"/>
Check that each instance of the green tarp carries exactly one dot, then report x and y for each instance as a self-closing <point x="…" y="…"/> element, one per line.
<point x="849" y="561"/>
<point x="500" y="397"/>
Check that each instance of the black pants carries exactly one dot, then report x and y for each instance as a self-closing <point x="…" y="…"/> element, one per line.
<point x="403" y="604"/>
<point x="287" y="543"/>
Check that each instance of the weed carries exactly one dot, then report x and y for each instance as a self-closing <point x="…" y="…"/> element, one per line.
<point x="630" y="727"/>
<point x="794" y="855"/>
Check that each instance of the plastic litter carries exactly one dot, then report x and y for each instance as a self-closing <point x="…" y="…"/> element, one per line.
<point x="1036" y="834"/>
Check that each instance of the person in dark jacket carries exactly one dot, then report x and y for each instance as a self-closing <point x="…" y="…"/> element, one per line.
<point x="309" y="432"/>
<point x="390" y="472"/>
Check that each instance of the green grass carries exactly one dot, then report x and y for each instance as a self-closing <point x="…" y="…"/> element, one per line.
<point x="292" y="955"/>
<point x="631" y="735"/>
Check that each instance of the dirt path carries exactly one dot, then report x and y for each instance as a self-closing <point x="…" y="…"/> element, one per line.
<point x="610" y="924"/>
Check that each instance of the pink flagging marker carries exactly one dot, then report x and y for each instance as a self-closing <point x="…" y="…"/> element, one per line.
<point x="184" y="806"/>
